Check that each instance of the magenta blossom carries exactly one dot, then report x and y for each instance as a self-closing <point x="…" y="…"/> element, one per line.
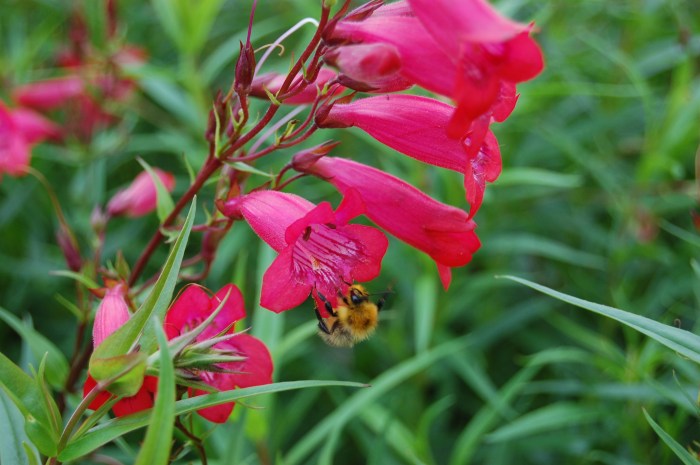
<point x="190" y="309"/>
<point x="415" y="126"/>
<point x="464" y="50"/>
<point x="19" y="130"/>
<point x="443" y="232"/>
<point x="141" y="197"/>
<point x="318" y="250"/>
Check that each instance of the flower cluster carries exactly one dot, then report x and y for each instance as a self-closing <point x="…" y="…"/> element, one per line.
<point x="356" y="71"/>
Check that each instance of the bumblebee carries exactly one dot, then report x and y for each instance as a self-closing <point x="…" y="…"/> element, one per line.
<point x="353" y="321"/>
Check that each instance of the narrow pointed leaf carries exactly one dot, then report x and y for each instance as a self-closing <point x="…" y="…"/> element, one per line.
<point x="677" y="449"/>
<point x="123" y="339"/>
<point x="112" y="429"/>
<point x="156" y="446"/>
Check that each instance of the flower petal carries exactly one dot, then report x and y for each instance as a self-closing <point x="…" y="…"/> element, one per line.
<point x="280" y="289"/>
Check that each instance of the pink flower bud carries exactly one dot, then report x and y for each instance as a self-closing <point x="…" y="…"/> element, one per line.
<point x="245" y="67"/>
<point x="141" y="197"/>
<point x="112" y="313"/>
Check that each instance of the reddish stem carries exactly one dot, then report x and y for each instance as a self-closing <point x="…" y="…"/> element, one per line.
<point x="210" y="166"/>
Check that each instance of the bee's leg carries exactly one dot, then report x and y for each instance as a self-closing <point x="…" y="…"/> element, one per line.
<point x="321" y="324"/>
<point x="380" y="303"/>
<point x="327" y="305"/>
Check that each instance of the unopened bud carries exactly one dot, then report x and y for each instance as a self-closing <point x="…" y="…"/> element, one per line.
<point x="302" y="161"/>
<point x="112" y="313"/>
<point x="245" y="69"/>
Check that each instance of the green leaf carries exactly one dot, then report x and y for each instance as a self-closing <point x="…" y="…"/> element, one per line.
<point x="158" y="441"/>
<point x="677" y="449"/>
<point x="684" y="342"/>
<point x="549" y="418"/>
<point x="164" y="203"/>
<point x="424" y="316"/>
<point x="57" y="365"/>
<point x="28" y="397"/>
<point x="112" y="429"/>
<point x="157" y="302"/>
<point x="360" y="400"/>
<point x="129" y="369"/>
<point x="81" y="278"/>
<point x="12" y="434"/>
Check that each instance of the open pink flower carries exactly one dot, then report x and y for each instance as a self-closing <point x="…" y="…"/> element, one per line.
<point x="415" y="126"/>
<point x="464" y="50"/>
<point x="318" y="250"/>
<point x="141" y="197"/>
<point x="21" y="128"/>
<point x="443" y="232"/>
<point x="191" y="308"/>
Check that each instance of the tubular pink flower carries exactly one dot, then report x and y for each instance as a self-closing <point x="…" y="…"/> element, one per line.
<point x="415" y="126"/>
<point x="464" y="50"/>
<point x="443" y="232"/>
<point x="141" y="197"/>
<point x="112" y="313"/>
<point x="273" y="83"/>
<point x="49" y="94"/>
<point x="190" y="309"/>
<point x="19" y="130"/>
<point x="318" y="249"/>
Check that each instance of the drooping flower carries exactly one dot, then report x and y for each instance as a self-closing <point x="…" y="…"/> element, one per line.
<point x="141" y="197"/>
<point x="464" y="50"/>
<point x="443" y="232"/>
<point x="190" y="309"/>
<point x="318" y="250"/>
<point x="21" y="128"/>
<point x="416" y="126"/>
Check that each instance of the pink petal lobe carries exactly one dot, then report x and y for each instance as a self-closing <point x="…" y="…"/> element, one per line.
<point x="322" y="213"/>
<point x="280" y="289"/>
<point x="376" y="244"/>
<point x="445" y="273"/>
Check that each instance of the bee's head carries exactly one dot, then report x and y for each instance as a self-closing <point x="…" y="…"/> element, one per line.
<point x="358" y="295"/>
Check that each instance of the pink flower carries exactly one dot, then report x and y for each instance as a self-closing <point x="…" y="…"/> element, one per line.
<point x="273" y="83"/>
<point x="19" y="130"/>
<point x="368" y="68"/>
<point x="318" y="250"/>
<point x="415" y="126"/>
<point x="464" y="50"/>
<point x="112" y="313"/>
<point x="191" y="308"/>
<point x="443" y="232"/>
<point x="141" y="197"/>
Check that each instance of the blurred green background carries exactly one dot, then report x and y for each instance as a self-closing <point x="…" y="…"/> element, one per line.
<point x="595" y="200"/>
